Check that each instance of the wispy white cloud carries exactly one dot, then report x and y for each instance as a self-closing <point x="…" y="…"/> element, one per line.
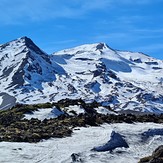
<point x="52" y="46"/>
<point x="62" y="42"/>
<point x="130" y="35"/>
<point x="146" y="30"/>
<point x="128" y="28"/>
<point x="138" y="2"/>
<point x="151" y="47"/>
<point x="110" y="36"/>
<point x="17" y="11"/>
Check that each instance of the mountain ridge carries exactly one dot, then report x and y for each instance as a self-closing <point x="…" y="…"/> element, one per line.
<point x="124" y="80"/>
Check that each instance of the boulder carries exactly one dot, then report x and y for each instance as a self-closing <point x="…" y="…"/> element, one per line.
<point x="157" y="156"/>
<point x="76" y="157"/>
<point x="116" y="141"/>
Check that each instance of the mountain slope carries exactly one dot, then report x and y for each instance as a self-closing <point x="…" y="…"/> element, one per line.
<point x="128" y="80"/>
<point x="123" y="80"/>
<point x="24" y="67"/>
<point x="24" y="63"/>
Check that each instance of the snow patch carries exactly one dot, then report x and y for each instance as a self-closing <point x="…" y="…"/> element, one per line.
<point x="42" y="114"/>
<point x="74" y="109"/>
<point x="103" y="110"/>
<point x="1" y="99"/>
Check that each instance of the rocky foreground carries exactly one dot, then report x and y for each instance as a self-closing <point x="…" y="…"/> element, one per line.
<point x="15" y="128"/>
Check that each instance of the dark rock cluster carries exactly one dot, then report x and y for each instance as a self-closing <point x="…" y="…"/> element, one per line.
<point x="156" y="157"/>
<point x="14" y="128"/>
<point x="76" y="157"/>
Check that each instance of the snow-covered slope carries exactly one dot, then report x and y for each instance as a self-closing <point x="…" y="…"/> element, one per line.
<point x="23" y="69"/>
<point x="123" y="80"/>
<point x="81" y="142"/>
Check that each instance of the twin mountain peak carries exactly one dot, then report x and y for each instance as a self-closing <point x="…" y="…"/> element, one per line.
<point x="125" y="80"/>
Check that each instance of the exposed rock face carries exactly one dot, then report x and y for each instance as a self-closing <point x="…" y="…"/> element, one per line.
<point x="23" y="62"/>
<point x="156" y="157"/>
<point x="76" y="157"/>
<point x="116" y="141"/>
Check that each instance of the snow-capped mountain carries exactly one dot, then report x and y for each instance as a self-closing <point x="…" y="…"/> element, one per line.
<point x="123" y="80"/>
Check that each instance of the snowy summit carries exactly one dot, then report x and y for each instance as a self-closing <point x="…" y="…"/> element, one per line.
<point x="120" y="79"/>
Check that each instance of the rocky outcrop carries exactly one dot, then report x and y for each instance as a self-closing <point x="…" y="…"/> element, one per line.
<point x="76" y="157"/>
<point x="156" y="157"/>
<point x="116" y="141"/>
<point x="13" y="126"/>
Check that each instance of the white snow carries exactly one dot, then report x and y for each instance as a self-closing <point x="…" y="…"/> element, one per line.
<point x="1" y="99"/>
<point x="76" y="108"/>
<point x="42" y="114"/>
<point x="83" y="72"/>
<point x="103" y="110"/>
<point x="82" y="141"/>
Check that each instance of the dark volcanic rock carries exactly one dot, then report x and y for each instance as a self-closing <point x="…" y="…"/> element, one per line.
<point x="17" y="79"/>
<point x="100" y="46"/>
<point x="16" y="129"/>
<point x="30" y="44"/>
<point x="157" y="156"/>
<point x="76" y="157"/>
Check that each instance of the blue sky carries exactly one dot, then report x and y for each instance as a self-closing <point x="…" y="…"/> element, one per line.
<point x="57" y="24"/>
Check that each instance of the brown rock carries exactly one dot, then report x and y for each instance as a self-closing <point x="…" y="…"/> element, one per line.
<point x="157" y="156"/>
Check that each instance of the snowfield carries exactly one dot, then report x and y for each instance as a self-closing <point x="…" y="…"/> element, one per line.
<point x="59" y="150"/>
